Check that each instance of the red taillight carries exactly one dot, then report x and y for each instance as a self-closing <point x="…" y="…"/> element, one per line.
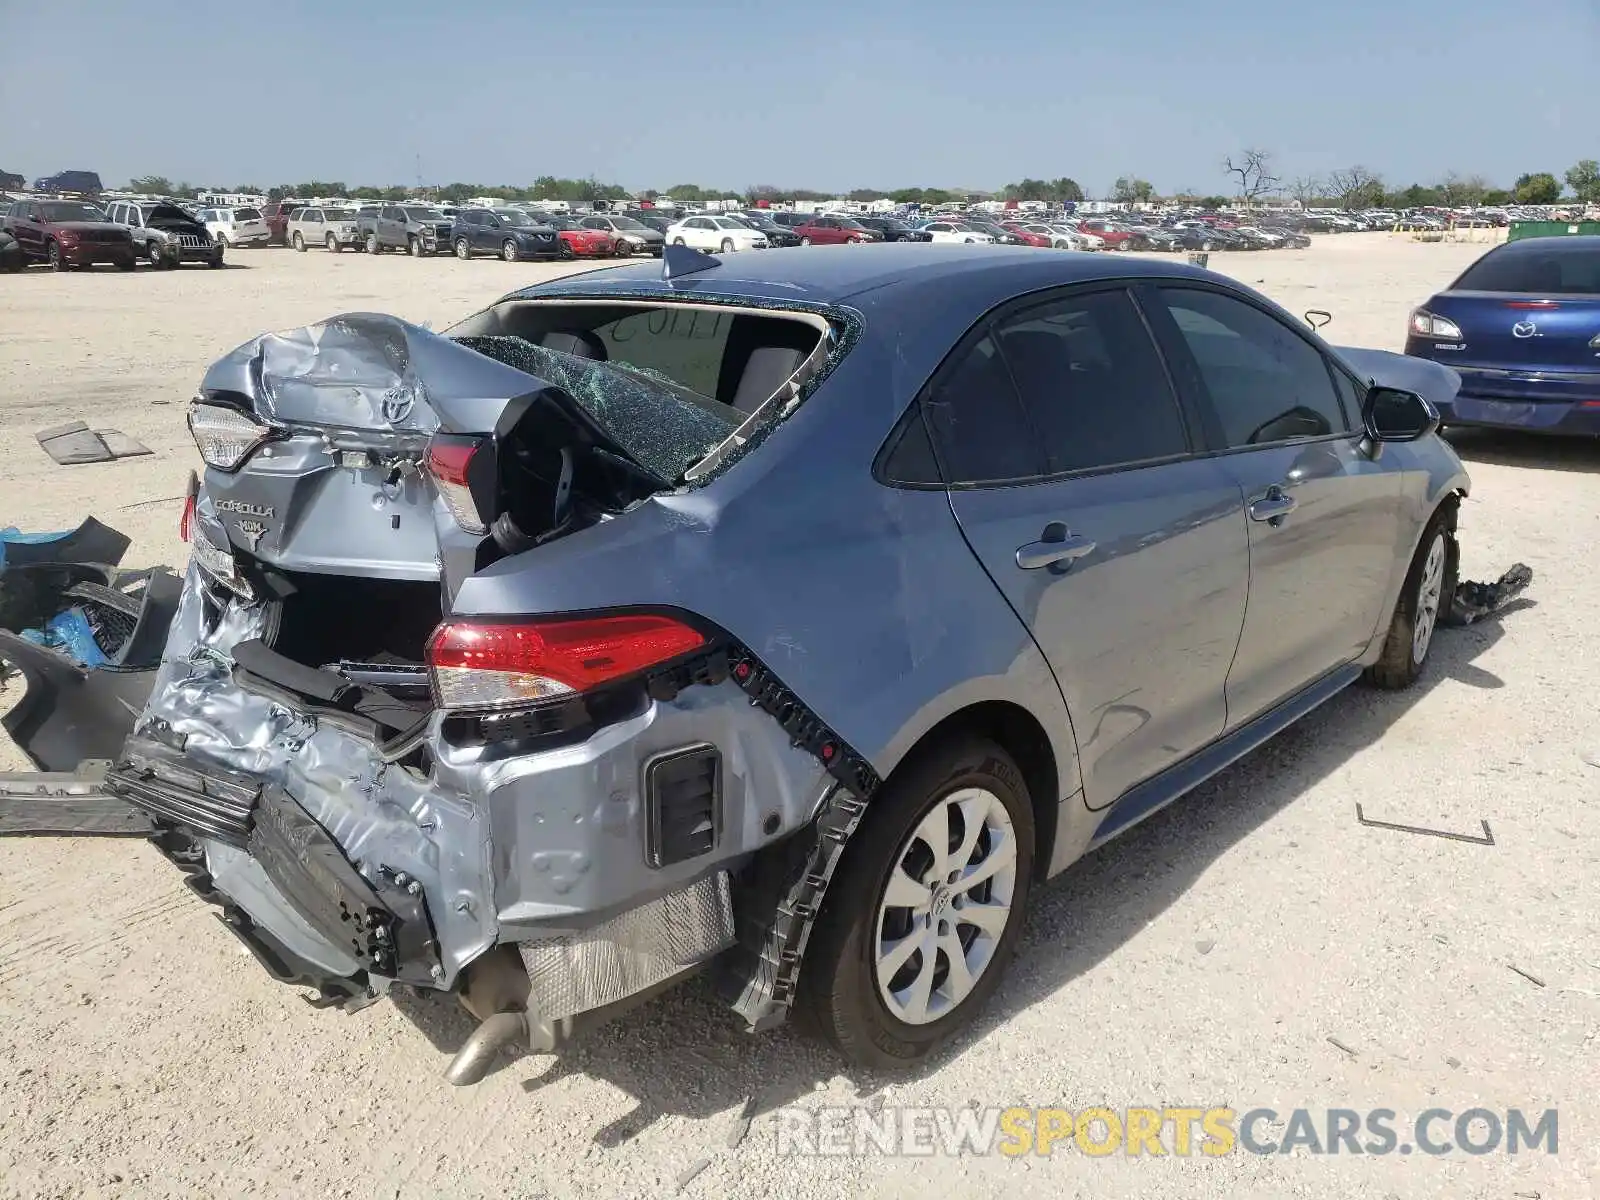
<point x="492" y="666"/>
<point x="1532" y="304"/>
<point x="450" y="463"/>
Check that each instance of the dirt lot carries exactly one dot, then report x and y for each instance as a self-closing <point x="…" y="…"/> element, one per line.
<point x="1210" y="957"/>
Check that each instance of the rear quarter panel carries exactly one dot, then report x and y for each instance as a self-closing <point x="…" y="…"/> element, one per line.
<point x="864" y="599"/>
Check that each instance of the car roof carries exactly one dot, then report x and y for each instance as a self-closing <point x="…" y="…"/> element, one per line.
<point x="905" y="273"/>
<point x="1570" y="241"/>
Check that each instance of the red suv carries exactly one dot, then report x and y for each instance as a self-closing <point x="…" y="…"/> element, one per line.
<point x="69" y="233"/>
<point x="835" y="231"/>
<point x="276" y="214"/>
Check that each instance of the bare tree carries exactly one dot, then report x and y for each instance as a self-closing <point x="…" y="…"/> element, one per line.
<point x="1356" y="187"/>
<point x="1308" y="188"/>
<point x="1254" y="172"/>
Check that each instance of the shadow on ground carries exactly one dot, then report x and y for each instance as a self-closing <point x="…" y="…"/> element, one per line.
<point x="685" y="1054"/>
<point x="1509" y="448"/>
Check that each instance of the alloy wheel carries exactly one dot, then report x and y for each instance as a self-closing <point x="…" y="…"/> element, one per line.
<point x="945" y="907"/>
<point x="1430" y="589"/>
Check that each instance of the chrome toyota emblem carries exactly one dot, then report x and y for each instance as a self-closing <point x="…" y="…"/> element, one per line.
<point x="1524" y="329"/>
<point x="251" y="531"/>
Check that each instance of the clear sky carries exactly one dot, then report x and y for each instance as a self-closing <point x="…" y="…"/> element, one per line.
<point x="816" y="94"/>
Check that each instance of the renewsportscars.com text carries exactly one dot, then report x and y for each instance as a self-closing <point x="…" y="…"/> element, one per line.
<point x="1160" y="1132"/>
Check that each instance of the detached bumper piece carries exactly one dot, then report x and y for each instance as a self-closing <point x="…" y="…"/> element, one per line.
<point x="383" y="920"/>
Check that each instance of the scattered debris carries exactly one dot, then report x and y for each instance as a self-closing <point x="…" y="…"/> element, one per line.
<point x="741" y="1122"/>
<point x="1486" y="840"/>
<point x="1474" y="601"/>
<point x="1533" y="979"/>
<point x="85" y="635"/>
<point x="1453" y="1063"/>
<point x="1333" y="1041"/>
<point x="1205" y="946"/>
<point x="688" y="1174"/>
<point x="75" y="444"/>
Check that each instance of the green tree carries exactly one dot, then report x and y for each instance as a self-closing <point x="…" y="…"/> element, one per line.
<point x="1584" y="180"/>
<point x="1540" y="188"/>
<point x="249" y="189"/>
<point x="1128" y="190"/>
<point x="151" y="185"/>
<point x="1065" y="191"/>
<point x="394" y="195"/>
<point x="1497" y="197"/>
<point x="936" y="196"/>
<point x="1027" y="189"/>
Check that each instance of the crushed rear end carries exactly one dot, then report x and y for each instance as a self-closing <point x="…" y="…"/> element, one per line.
<point x="544" y="813"/>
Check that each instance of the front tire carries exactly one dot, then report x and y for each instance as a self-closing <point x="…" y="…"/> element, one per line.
<point x="416" y="247"/>
<point x="508" y="250"/>
<point x="154" y="257"/>
<point x="914" y="936"/>
<point x="373" y="245"/>
<point x="463" y="249"/>
<point x="727" y="246"/>
<point x="805" y="241"/>
<point x="1425" y="599"/>
<point x="333" y="244"/>
<point x="298" y="242"/>
<point x="52" y="253"/>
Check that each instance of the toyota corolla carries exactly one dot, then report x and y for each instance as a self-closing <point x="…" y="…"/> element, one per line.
<point x="792" y="623"/>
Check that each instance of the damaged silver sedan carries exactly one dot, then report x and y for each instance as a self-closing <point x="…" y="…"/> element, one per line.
<point x="652" y="621"/>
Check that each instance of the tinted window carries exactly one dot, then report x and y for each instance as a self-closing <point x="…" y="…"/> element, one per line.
<point x="1266" y="383"/>
<point x="977" y="422"/>
<point x="247" y="214"/>
<point x="1551" y="271"/>
<point x="1093" y="383"/>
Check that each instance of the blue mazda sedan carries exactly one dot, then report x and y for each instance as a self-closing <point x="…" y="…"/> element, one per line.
<point x="791" y="617"/>
<point x="1522" y="328"/>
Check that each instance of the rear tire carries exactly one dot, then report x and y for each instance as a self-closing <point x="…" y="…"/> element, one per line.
<point x="852" y="973"/>
<point x="1425" y="600"/>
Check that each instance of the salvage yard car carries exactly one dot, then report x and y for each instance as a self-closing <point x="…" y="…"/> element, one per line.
<point x="69" y="233"/>
<point x="235" y="226"/>
<point x="418" y="229"/>
<point x="505" y="667"/>
<point x="333" y="228"/>
<point x="165" y="234"/>
<point x="723" y="234"/>
<point x="630" y="236"/>
<point x="1521" y="326"/>
<point x="509" y="232"/>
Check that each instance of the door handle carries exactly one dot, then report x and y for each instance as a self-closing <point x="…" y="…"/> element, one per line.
<point x="1273" y="507"/>
<point x="1063" y="548"/>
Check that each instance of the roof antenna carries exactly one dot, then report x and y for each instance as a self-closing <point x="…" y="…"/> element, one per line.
<point x="681" y="260"/>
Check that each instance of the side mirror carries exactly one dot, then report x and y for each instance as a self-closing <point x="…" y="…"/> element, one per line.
<point x="1393" y="415"/>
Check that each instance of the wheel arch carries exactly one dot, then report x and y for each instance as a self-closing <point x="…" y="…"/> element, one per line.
<point x="1020" y="734"/>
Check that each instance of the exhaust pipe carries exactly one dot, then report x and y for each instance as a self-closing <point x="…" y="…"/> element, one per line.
<point x="502" y="1031"/>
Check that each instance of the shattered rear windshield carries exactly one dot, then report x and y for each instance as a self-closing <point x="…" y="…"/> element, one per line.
<point x="664" y="426"/>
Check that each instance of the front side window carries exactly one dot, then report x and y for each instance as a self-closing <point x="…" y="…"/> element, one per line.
<point x="1092" y="382"/>
<point x="1265" y="382"/>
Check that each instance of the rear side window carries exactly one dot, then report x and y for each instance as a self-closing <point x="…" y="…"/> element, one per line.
<point x="978" y="426"/>
<point x="1555" y="270"/>
<point x="247" y="214"/>
<point x="1093" y="383"/>
<point x="1265" y="382"/>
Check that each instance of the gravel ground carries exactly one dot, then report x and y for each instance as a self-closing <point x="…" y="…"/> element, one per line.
<point x="1210" y="957"/>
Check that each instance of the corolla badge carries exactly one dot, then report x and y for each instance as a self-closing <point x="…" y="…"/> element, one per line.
<point x="1524" y="329"/>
